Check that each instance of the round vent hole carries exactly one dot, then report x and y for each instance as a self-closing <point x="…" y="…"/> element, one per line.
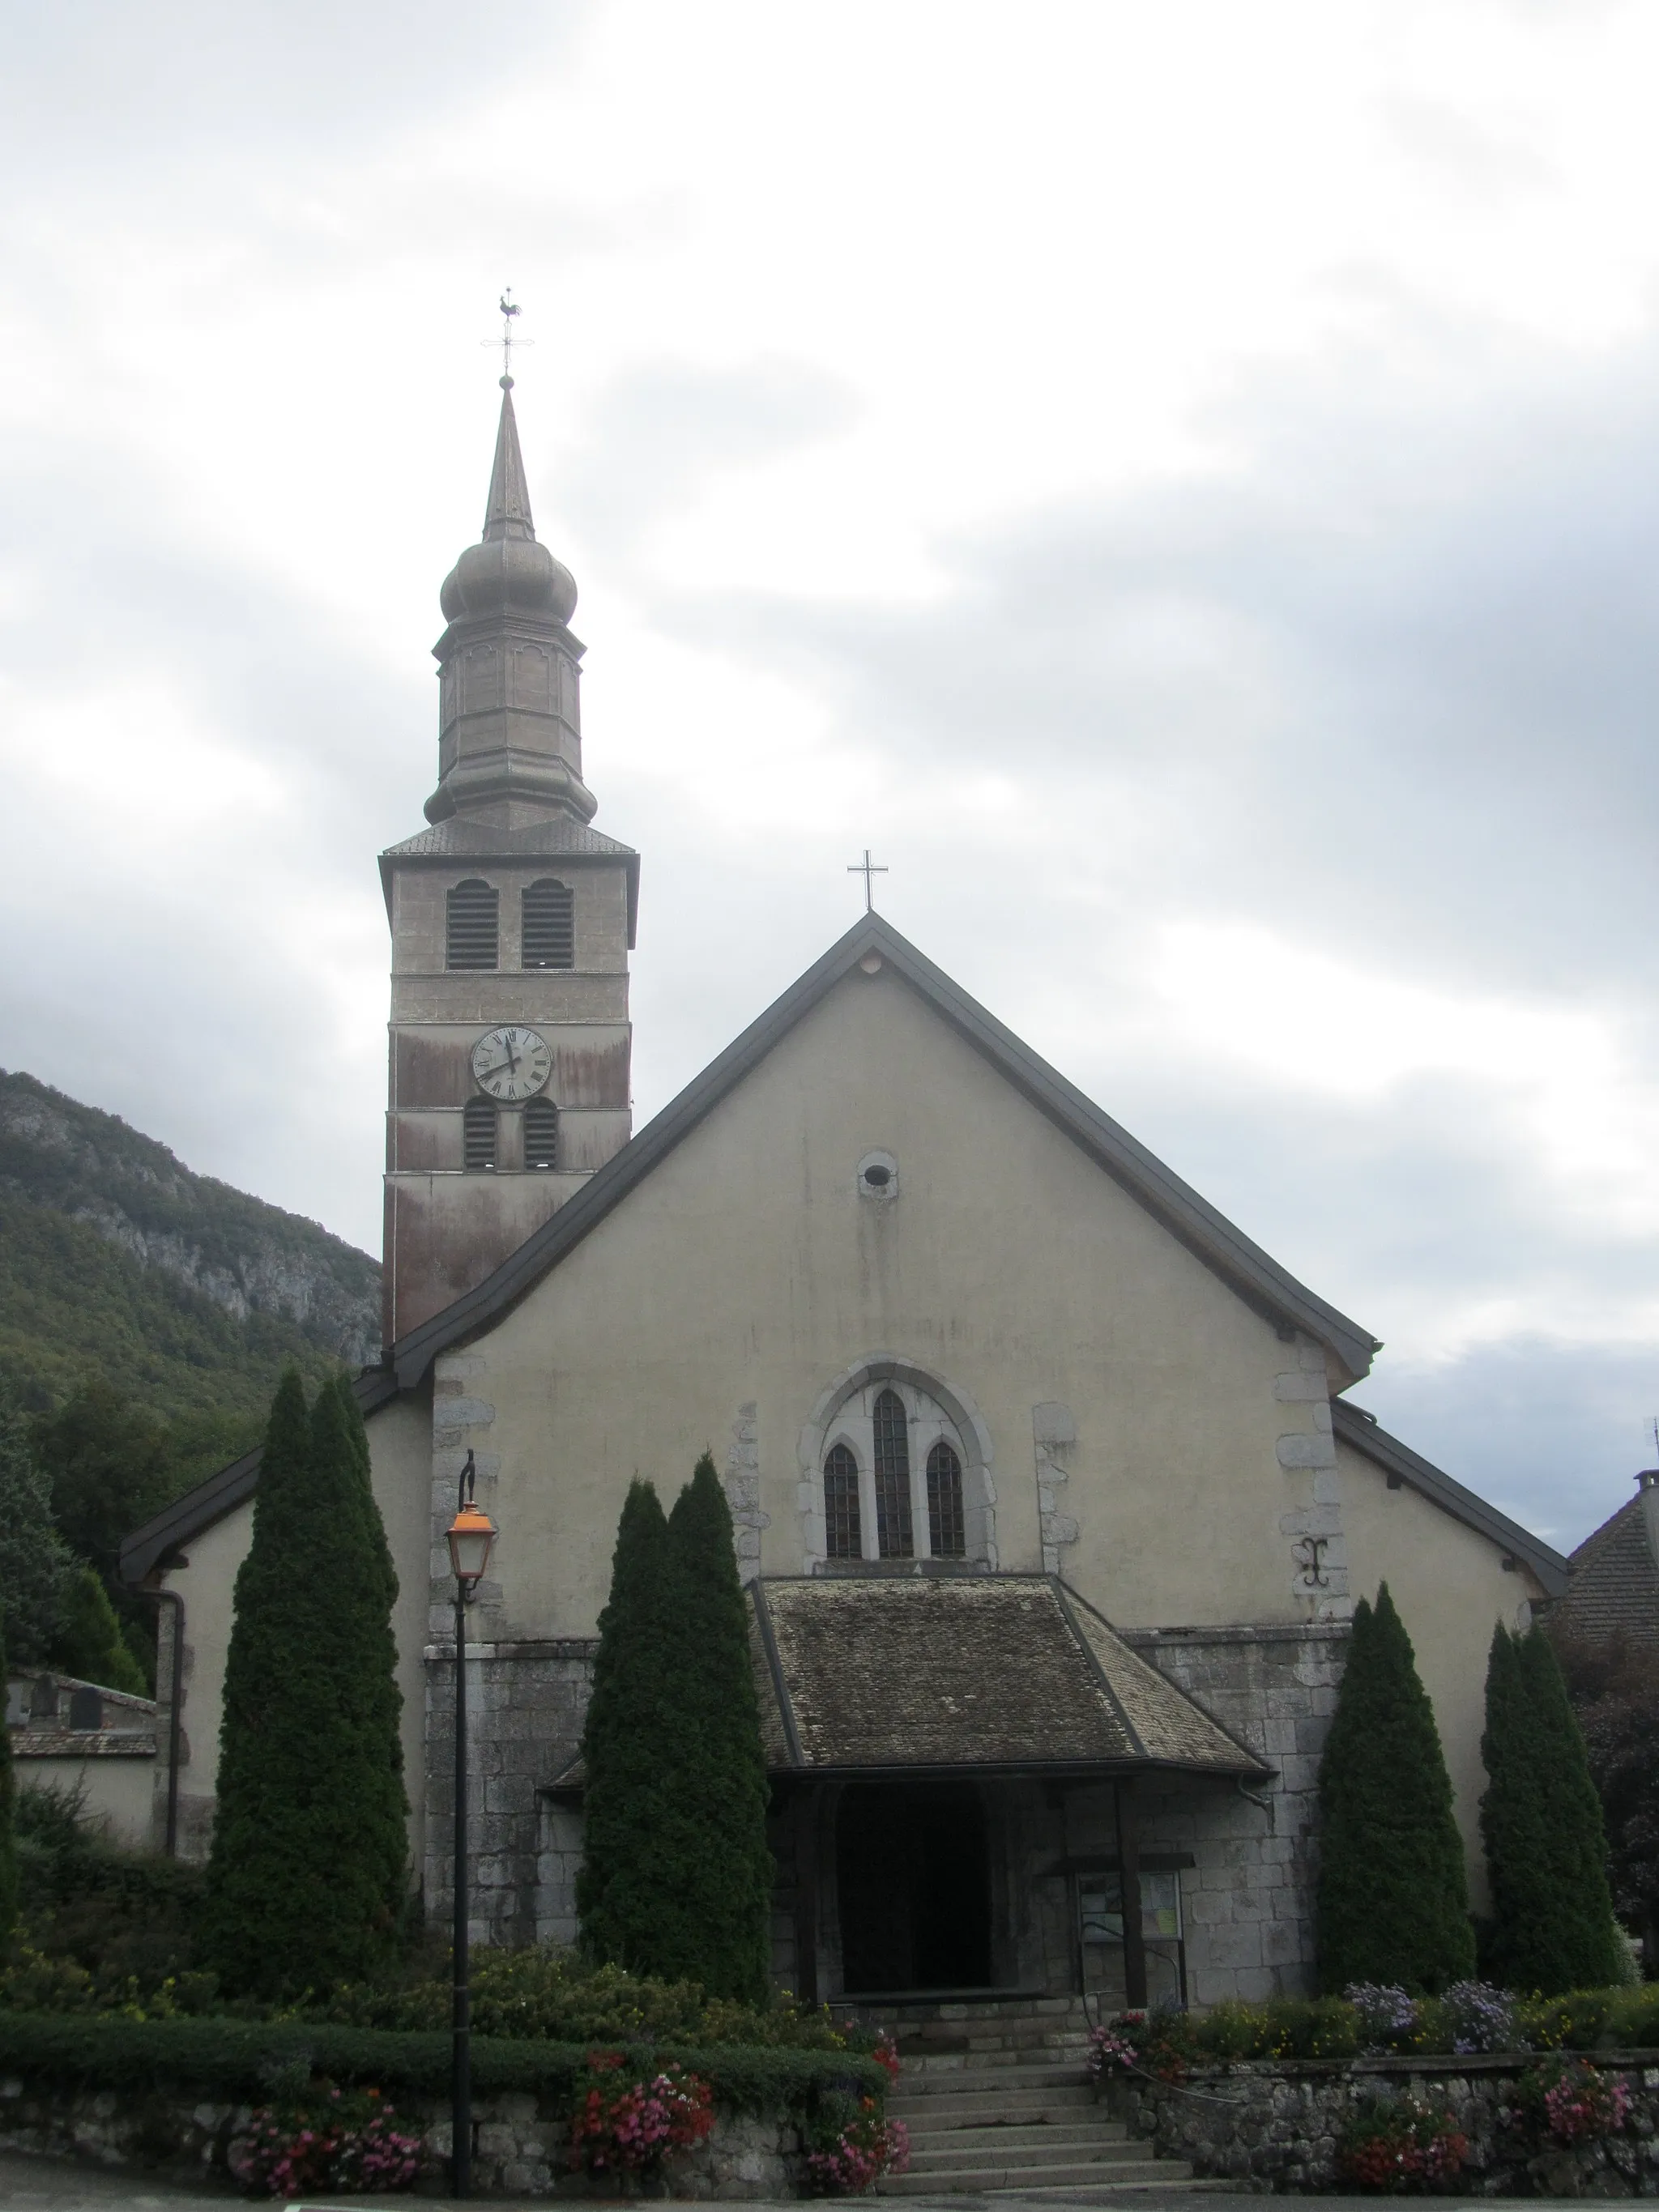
<point x="877" y="1178"/>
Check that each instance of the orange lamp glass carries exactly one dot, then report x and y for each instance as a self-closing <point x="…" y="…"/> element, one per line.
<point x="471" y="1533"/>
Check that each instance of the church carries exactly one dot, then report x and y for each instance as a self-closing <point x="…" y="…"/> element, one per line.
<point x="1048" y="1494"/>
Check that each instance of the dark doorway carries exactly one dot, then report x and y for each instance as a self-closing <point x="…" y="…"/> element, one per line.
<point x="914" y="1884"/>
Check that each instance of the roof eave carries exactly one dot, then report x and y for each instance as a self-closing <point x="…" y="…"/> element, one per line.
<point x="1361" y="1430"/>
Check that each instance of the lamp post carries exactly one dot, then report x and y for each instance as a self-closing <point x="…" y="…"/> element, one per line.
<point x="471" y="1533"/>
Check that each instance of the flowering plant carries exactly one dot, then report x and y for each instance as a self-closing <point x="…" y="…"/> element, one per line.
<point x="1570" y="2099"/>
<point x="1481" y="2017"/>
<point x="850" y="2154"/>
<point x="1387" y="2014"/>
<point x="886" y="2055"/>
<point x="1113" y="2048"/>
<point x="1400" y="2145"/>
<point x="329" y="2139"/>
<point x="622" y="2126"/>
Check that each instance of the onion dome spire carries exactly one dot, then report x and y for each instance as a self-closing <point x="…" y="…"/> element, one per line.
<point x="509" y="720"/>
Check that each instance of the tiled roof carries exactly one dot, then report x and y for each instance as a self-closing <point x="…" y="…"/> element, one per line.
<point x="464" y="838"/>
<point x="958" y="1671"/>
<point x="1615" y="1584"/>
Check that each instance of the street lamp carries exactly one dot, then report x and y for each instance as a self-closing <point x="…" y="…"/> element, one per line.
<point x="471" y="1533"/>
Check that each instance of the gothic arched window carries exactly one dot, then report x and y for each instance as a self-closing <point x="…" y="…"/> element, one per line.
<point x="844" y="1535"/>
<point x="549" y="925"/>
<point x="478" y="1134"/>
<point x="541" y="1133"/>
<point x="894" y="1536"/>
<point x="473" y="937"/>
<point x="947" y="1534"/>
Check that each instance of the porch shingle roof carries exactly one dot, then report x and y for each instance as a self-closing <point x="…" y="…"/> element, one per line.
<point x="952" y="1671"/>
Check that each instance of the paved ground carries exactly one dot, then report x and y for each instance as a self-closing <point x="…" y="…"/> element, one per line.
<point x="50" y="2184"/>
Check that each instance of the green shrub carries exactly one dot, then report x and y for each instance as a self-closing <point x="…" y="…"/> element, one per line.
<point x="125" y="1919"/>
<point x="553" y="1996"/>
<point x="1393" y="1903"/>
<point x="246" y="2060"/>
<point x="305" y="1884"/>
<point x="1540" y="1821"/>
<point x="8" y="1823"/>
<point x="1321" y="2028"/>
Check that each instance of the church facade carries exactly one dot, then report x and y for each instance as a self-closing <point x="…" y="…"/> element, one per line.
<point x="1049" y="1498"/>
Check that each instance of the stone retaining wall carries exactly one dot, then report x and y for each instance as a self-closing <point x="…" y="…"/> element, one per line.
<point x="519" y="2146"/>
<point x="1272" y="2125"/>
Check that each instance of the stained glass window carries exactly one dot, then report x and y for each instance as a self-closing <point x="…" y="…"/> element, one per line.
<point x="840" y="1504"/>
<point x="894" y="1536"/>
<point x="947" y="1536"/>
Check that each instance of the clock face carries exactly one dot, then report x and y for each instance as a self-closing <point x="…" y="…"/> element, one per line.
<point x="512" y="1063"/>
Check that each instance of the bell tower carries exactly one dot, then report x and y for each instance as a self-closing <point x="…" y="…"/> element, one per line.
<point x="512" y="921"/>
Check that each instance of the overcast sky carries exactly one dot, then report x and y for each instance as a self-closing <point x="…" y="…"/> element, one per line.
<point x="1180" y="483"/>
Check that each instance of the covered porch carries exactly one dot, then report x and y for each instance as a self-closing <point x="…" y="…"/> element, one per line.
<point x="972" y="1774"/>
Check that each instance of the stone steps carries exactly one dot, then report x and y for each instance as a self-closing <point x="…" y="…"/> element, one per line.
<point x="1003" y="2108"/>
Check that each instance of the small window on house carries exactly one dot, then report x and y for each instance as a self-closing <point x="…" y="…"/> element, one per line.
<point x="474" y="935"/>
<point x="478" y="1145"/>
<point x="947" y="1534"/>
<point x="86" y="1709"/>
<point x="894" y="1539"/>
<point x="845" y="1538"/>
<point x="541" y="1133"/>
<point x="549" y="925"/>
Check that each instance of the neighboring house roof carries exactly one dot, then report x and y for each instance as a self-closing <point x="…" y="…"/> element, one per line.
<point x="1615" y="1583"/>
<point x="949" y="1673"/>
<point x="1354" y="1425"/>
<point x="555" y="837"/>
<point x="52" y="1715"/>
<point x="1260" y="1280"/>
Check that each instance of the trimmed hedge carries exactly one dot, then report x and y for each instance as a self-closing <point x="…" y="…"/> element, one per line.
<point x="239" y="2060"/>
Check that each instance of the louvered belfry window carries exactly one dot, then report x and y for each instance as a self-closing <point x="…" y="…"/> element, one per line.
<point x="844" y="1538"/>
<point x="894" y="1537"/>
<point x="479" y="1124"/>
<point x="474" y="935"/>
<point x="549" y="925"/>
<point x="947" y="1534"/>
<point x="541" y="1134"/>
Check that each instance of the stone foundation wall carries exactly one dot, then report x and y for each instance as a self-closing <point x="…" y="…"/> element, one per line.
<point x="519" y="2148"/>
<point x="1266" y="2126"/>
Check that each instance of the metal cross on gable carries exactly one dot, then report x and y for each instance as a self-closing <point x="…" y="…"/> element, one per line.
<point x="868" y="869"/>
<point x="509" y="309"/>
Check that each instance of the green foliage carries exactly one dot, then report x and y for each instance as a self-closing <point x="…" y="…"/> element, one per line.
<point x="104" y="1925"/>
<point x="555" y="1995"/>
<point x="716" y="1917"/>
<point x="676" y="1879"/>
<point x="8" y="1822"/>
<point x="1614" y="1688"/>
<point x="1552" y="1926"/>
<point x="305" y="1880"/>
<point x="628" y="1746"/>
<point x="88" y="1642"/>
<point x="239" y="2061"/>
<point x="81" y="1195"/>
<point x="1393" y="1904"/>
<point x="35" y="1562"/>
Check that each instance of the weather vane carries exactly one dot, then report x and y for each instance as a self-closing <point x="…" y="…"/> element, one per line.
<point x="868" y="869"/>
<point x="506" y="341"/>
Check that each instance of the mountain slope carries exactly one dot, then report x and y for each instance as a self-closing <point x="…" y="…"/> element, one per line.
<point x="117" y="1262"/>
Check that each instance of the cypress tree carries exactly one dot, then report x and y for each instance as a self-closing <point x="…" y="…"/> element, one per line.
<point x="305" y="1883"/>
<point x="715" y="1915"/>
<point x="628" y="1747"/>
<point x="8" y="1832"/>
<point x="1540" y="1821"/>
<point x="35" y="1564"/>
<point x="89" y="1642"/>
<point x="1393" y="1904"/>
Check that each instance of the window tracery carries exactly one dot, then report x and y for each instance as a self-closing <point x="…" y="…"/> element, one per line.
<point x="895" y="1479"/>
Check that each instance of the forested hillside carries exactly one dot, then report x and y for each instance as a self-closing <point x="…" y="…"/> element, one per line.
<point x="120" y="1268"/>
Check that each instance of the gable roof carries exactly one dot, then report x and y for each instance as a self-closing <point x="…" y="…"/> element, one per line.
<point x="1355" y="1426"/>
<point x="1615" y="1583"/>
<point x="1244" y="1265"/>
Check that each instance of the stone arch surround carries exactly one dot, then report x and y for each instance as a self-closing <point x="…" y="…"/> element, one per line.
<point x="887" y="1367"/>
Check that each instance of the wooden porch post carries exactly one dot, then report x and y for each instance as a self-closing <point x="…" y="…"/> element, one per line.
<point x="1128" y="1875"/>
